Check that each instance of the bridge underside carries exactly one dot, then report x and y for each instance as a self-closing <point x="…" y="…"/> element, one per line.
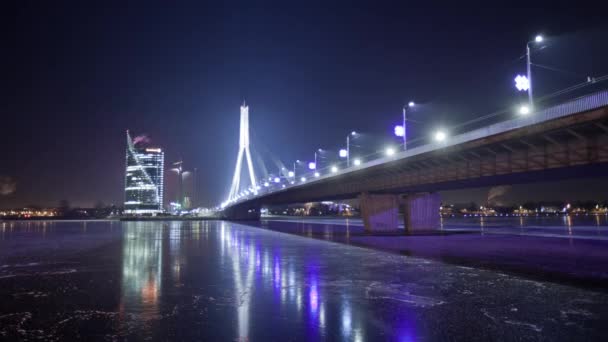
<point x="570" y="147"/>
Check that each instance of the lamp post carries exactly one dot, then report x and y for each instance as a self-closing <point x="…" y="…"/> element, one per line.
<point x="410" y="104"/>
<point x="537" y="39"/>
<point x="353" y="133"/>
<point x="401" y="130"/>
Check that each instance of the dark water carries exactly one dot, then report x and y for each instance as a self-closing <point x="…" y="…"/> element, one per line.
<point x="221" y="281"/>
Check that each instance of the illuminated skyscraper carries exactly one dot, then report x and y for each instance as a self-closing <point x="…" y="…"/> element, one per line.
<point x="144" y="179"/>
<point x="243" y="153"/>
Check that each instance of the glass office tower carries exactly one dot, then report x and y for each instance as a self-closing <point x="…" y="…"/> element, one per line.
<point x="144" y="179"/>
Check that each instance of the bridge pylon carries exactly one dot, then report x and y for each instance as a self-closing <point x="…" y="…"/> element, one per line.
<point x="244" y="153"/>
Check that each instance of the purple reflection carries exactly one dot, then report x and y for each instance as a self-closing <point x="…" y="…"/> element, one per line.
<point x="313" y="297"/>
<point x="277" y="273"/>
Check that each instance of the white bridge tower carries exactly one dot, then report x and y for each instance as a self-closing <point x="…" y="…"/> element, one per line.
<point x="243" y="153"/>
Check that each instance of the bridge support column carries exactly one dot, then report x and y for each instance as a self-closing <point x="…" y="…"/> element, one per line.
<point x="421" y="212"/>
<point x="380" y="213"/>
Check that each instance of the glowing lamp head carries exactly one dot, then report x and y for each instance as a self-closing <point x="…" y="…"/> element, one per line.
<point x="303" y="179"/>
<point x="317" y="174"/>
<point x="343" y="153"/>
<point x="266" y="184"/>
<point x="334" y="169"/>
<point x="440" y="136"/>
<point x="538" y="39"/>
<point x="353" y="133"/>
<point x="357" y="162"/>
<point x="290" y="174"/>
<point x="411" y="104"/>
<point x="389" y="151"/>
<point x="524" y="110"/>
<point x="399" y="131"/>
<point x="277" y="179"/>
<point x="522" y="83"/>
<point x="312" y="165"/>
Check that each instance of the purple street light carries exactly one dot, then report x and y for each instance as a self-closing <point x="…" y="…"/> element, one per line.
<point x="399" y="131"/>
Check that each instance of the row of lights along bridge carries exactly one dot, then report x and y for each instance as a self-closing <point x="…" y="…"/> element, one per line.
<point x="522" y="83"/>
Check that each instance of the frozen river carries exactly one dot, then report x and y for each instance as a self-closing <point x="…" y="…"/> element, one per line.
<point x="222" y="281"/>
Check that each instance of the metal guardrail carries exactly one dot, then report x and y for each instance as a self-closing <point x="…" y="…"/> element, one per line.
<point x="581" y="104"/>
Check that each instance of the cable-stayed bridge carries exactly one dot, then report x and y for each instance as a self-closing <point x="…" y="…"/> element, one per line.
<point x="569" y="140"/>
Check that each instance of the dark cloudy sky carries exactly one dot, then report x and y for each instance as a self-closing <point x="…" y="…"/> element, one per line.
<point x="77" y="75"/>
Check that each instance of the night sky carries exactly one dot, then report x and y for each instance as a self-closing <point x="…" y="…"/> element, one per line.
<point x="76" y="76"/>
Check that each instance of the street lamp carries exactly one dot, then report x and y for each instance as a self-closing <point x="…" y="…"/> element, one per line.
<point x="524" y="110"/>
<point x="440" y="136"/>
<point x="357" y="162"/>
<point x="401" y="131"/>
<point x="291" y="174"/>
<point x="334" y="169"/>
<point x="537" y="39"/>
<point x="353" y="133"/>
<point x="317" y="174"/>
<point x="303" y="179"/>
<point x="389" y="151"/>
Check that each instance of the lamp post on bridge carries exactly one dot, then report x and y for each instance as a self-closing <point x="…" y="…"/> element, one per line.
<point x="537" y="39"/>
<point x="346" y="153"/>
<point x="401" y="131"/>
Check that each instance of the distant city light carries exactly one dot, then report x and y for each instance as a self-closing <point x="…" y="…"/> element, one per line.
<point x="538" y="39"/>
<point x="357" y="162"/>
<point x="266" y="184"/>
<point x="303" y="179"/>
<point x="522" y="83"/>
<point x="399" y="131"/>
<point x="317" y="174"/>
<point x="524" y="110"/>
<point x="343" y="153"/>
<point x="440" y="136"/>
<point x="290" y="174"/>
<point x="334" y="169"/>
<point x="277" y="179"/>
<point x="389" y="151"/>
<point x="283" y="185"/>
<point x="292" y="182"/>
<point x="312" y="165"/>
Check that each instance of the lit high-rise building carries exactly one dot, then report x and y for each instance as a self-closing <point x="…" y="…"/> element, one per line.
<point x="144" y="178"/>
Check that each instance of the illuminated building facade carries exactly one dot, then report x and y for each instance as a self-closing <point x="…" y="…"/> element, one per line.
<point x="144" y="179"/>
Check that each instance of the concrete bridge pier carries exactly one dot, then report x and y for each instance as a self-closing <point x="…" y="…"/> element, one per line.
<point x="242" y="213"/>
<point x="380" y="212"/>
<point x="421" y="212"/>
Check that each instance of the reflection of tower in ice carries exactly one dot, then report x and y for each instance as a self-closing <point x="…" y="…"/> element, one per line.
<point x="240" y="252"/>
<point x="141" y="271"/>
